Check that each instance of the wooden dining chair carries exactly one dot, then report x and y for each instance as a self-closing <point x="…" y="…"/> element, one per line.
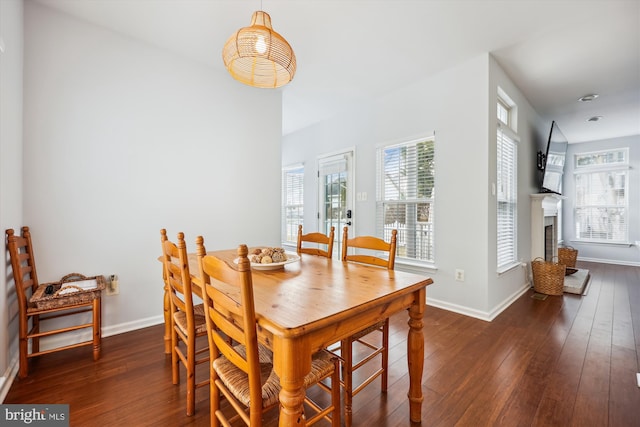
<point x="187" y="320"/>
<point x="25" y="277"/>
<point x="166" y="303"/>
<point x="370" y="249"/>
<point x="243" y="372"/>
<point x="318" y="239"/>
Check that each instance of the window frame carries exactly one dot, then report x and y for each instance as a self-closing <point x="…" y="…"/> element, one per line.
<point x="289" y="229"/>
<point x="615" y="166"/>
<point x="505" y="263"/>
<point x="422" y="240"/>
<point x="502" y="105"/>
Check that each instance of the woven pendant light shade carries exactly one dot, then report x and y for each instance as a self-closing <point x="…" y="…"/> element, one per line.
<point x="258" y="56"/>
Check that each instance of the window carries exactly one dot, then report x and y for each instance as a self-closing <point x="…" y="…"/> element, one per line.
<point x="507" y="110"/>
<point x="405" y="197"/>
<point x="507" y="186"/>
<point x="292" y="201"/>
<point x="601" y="196"/>
<point x="503" y="112"/>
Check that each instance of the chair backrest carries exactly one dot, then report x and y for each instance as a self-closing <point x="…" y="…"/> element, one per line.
<point x="163" y="238"/>
<point x="178" y="277"/>
<point x="372" y="245"/>
<point x="317" y="238"/>
<point x="23" y="265"/>
<point x="227" y="317"/>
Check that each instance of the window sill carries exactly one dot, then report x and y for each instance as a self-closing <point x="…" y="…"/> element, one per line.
<point x="507" y="268"/>
<point x="290" y="246"/>
<point x="600" y="242"/>
<point x="415" y="267"/>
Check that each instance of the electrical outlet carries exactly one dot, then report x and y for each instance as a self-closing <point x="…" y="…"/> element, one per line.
<point x="459" y="275"/>
<point x="113" y="287"/>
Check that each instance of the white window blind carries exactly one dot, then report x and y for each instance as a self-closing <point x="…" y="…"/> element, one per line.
<point x="405" y="199"/>
<point x="506" y="190"/>
<point x="292" y="202"/>
<point x="601" y="202"/>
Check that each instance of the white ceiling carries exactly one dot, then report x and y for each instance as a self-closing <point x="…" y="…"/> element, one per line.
<point x="350" y="51"/>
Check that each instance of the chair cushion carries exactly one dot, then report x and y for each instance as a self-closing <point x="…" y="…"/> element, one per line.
<point x="237" y="382"/>
<point x="180" y="318"/>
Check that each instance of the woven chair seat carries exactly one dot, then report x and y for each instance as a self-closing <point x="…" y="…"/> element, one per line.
<point x="180" y="318"/>
<point x="368" y="330"/>
<point x="237" y="380"/>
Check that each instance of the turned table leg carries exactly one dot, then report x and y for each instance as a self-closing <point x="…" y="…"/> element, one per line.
<point x="97" y="325"/>
<point x="415" y="355"/>
<point x="292" y="362"/>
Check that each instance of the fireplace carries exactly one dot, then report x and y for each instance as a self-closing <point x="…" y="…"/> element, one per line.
<point x="544" y="226"/>
<point x="548" y="242"/>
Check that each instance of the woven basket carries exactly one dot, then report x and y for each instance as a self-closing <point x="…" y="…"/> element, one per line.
<point x="548" y="277"/>
<point x="567" y="256"/>
<point x="44" y="301"/>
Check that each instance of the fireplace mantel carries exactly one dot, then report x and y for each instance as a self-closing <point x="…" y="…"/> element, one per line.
<point x="544" y="212"/>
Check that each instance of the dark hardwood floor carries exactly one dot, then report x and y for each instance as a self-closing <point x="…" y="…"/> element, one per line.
<point x="563" y="361"/>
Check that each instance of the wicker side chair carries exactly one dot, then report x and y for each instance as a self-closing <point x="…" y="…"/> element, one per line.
<point x="32" y="317"/>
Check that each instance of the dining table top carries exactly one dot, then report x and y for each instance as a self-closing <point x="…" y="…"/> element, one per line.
<point x="304" y="295"/>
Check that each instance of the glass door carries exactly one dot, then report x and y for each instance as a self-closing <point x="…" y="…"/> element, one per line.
<point x="335" y="175"/>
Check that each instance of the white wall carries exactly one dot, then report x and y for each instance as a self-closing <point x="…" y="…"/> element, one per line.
<point x="502" y="287"/>
<point x="455" y="104"/>
<point x="11" y="14"/>
<point x="122" y="139"/>
<point x="613" y="254"/>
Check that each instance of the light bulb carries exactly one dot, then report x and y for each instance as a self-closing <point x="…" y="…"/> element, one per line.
<point x="261" y="45"/>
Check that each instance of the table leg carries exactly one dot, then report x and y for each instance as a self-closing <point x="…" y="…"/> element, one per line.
<point x="415" y="355"/>
<point x="291" y="363"/>
<point x="97" y="325"/>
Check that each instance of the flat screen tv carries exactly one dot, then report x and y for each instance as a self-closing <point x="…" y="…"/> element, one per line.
<point x="551" y="163"/>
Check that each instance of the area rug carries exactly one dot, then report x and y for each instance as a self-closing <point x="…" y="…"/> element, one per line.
<point x="576" y="283"/>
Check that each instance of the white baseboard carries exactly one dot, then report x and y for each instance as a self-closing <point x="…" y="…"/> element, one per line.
<point x="132" y="326"/>
<point x="508" y="301"/>
<point x="610" y="261"/>
<point x="487" y="316"/>
<point x="7" y="380"/>
<point x="107" y="331"/>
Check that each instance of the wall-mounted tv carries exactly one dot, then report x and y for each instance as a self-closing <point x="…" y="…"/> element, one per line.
<point x="551" y="163"/>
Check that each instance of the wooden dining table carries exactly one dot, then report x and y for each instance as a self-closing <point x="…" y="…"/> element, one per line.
<point x="307" y="305"/>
